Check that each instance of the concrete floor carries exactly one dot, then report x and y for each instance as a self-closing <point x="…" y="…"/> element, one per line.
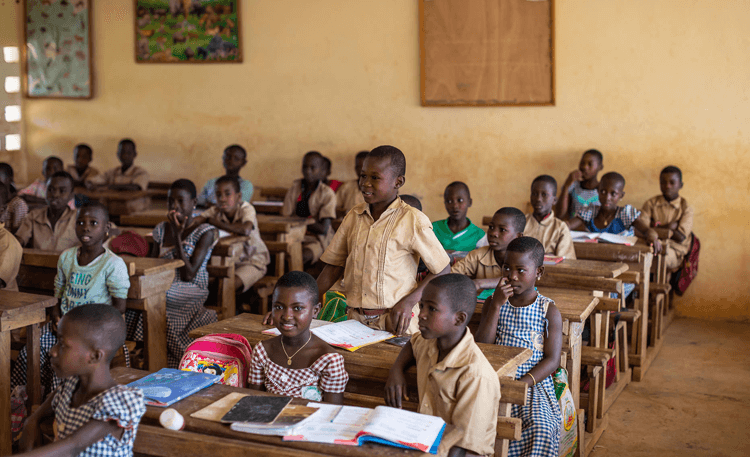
<point x="694" y="400"/>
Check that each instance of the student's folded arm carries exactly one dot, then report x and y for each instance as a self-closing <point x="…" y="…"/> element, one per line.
<point x="90" y="433"/>
<point x="193" y="263"/>
<point x="650" y="234"/>
<point x="552" y="348"/>
<point x="684" y="225"/>
<point x="125" y="187"/>
<point x="321" y="227"/>
<point x="562" y="208"/>
<point x="576" y="223"/>
<point x="395" y="386"/>
<point x="486" y="283"/>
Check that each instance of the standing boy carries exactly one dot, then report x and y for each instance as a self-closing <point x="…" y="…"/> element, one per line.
<point x="378" y="246"/>
<point x="127" y="176"/>
<point x="455" y="380"/>
<point x="542" y="224"/>
<point x="52" y="227"/>
<point x="234" y="158"/>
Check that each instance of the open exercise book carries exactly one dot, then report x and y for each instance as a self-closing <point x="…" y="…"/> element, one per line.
<point x="353" y="426"/>
<point x="350" y="335"/>
<point x="168" y="385"/>
<point x="589" y="237"/>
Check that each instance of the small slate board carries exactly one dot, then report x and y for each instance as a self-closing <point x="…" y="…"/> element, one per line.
<point x="256" y="409"/>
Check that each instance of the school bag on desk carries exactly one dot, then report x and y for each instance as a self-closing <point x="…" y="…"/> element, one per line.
<point x="682" y="278"/>
<point x="225" y="354"/>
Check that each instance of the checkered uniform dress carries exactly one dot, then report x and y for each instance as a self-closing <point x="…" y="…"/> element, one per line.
<point x="327" y="374"/>
<point x="185" y="310"/>
<point x="540" y="418"/>
<point x="121" y="404"/>
<point x="49" y="380"/>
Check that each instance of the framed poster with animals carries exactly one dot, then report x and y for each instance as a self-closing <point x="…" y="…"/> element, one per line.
<point x="187" y="31"/>
<point x="57" y="55"/>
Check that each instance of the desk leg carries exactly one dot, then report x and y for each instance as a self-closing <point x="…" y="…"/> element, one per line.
<point x="5" y="435"/>
<point x="501" y="446"/>
<point x="33" y="381"/>
<point x="155" y="331"/>
<point x="574" y="367"/>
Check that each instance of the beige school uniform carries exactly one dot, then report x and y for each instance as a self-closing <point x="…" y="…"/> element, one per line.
<point x="322" y="204"/>
<point x="380" y="258"/>
<point x="10" y="258"/>
<point x="348" y="196"/>
<point x="553" y="233"/>
<point x="660" y="210"/>
<point x="37" y="229"/>
<point x="479" y="264"/>
<point x="462" y="389"/>
<point x="255" y="258"/>
<point x="86" y="176"/>
<point x="115" y="176"/>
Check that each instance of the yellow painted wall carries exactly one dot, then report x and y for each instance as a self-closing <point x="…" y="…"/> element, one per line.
<point x="648" y="82"/>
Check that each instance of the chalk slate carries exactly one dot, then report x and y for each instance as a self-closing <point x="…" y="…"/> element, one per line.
<point x="257" y="409"/>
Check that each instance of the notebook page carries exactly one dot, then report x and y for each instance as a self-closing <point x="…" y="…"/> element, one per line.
<point x="404" y="426"/>
<point x="350" y="335"/>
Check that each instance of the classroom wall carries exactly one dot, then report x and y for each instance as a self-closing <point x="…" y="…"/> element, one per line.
<point x="648" y="82"/>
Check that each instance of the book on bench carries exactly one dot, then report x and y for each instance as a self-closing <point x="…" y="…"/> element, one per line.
<point x="168" y="385"/>
<point x="354" y="426"/>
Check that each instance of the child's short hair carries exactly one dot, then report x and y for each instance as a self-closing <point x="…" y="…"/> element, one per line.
<point x="361" y="155"/>
<point x="412" y="201"/>
<point x="85" y="148"/>
<point x="236" y="147"/>
<point x="126" y="142"/>
<point x="615" y="177"/>
<point x="459" y="185"/>
<point x="672" y="169"/>
<point x="4" y="194"/>
<point x="233" y="180"/>
<point x="547" y="179"/>
<point x="518" y="218"/>
<point x="327" y="164"/>
<point x="6" y="169"/>
<point x="184" y="184"/>
<point x="298" y="279"/>
<point x="95" y="205"/>
<point x="460" y="291"/>
<point x="55" y="159"/>
<point x="526" y="244"/>
<point x="104" y="327"/>
<point x="398" y="161"/>
<point x="64" y="175"/>
<point x="595" y="152"/>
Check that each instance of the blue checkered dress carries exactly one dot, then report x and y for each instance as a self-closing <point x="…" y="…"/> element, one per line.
<point x="121" y="404"/>
<point x="540" y="418"/>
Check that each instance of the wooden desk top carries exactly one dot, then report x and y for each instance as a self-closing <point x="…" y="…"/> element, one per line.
<point x="267" y="223"/>
<point x="17" y="307"/>
<point x="137" y="266"/>
<point x="213" y="393"/>
<point x="369" y="362"/>
<point x="574" y="305"/>
<point x="588" y="268"/>
<point x="114" y="194"/>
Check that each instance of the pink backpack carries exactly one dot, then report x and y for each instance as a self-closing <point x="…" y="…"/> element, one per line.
<point x="225" y="354"/>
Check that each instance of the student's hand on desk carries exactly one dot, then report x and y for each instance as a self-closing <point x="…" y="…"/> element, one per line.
<point x="400" y="315"/>
<point x="268" y="319"/>
<point x="395" y="389"/>
<point x="653" y="239"/>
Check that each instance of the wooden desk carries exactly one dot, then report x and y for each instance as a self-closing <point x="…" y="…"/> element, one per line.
<point x="594" y="268"/>
<point x="268" y="207"/>
<point x="149" y="281"/>
<point x="200" y="437"/>
<point x="18" y="309"/>
<point x="120" y="202"/>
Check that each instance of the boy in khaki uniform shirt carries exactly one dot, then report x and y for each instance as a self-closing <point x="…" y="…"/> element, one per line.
<point x="455" y="380"/>
<point x="671" y="211"/>
<point x="542" y="224"/>
<point x="10" y="250"/>
<point x="348" y="195"/>
<point x="128" y="176"/>
<point x="311" y="197"/>
<point x="53" y="227"/>
<point x="484" y="265"/>
<point x="378" y="246"/>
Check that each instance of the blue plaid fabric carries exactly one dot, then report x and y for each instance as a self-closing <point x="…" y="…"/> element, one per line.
<point x="622" y="224"/>
<point x="121" y="404"/>
<point x="541" y="417"/>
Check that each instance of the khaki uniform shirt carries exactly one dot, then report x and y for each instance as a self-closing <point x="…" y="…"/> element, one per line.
<point x="36" y="231"/>
<point x="479" y="264"/>
<point x="322" y="205"/>
<point x="553" y="233"/>
<point x="133" y="175"/>
<point x="87" y="175"/>
<point x="660" y="210"/>
<point x="348" y="196"/>
<point x="380" y="258"/>
<point x="10" y="258"/>
<point x="462" y="389"/>
<point x="255" y="250"/>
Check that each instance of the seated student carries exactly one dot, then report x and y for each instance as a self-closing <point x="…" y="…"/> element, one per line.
<point x="378" y="246"/>
<point x="297" y="363"/>
<point x="580" y="190"/>
<point x="89" y="273"/>
<point x="238" y="217"/>
<point x="458" y="233"/>
<point x="542" y="224"/>
<point x="234" y="158"/>
<point x="332" y="183"/>
<point x="483" y="265"/>
<point x="80" y="170"/>
<point x="311" y="197"/>
<point x="516" y="315"/>
<point x="125" y="177"/>
<point x="455" y="380"/>
<point x="53" y="227"/>
<point x="36" y="192"/>
<point x="16" y="208"/>
<point x="10" y="250"/>
<point x="94" y="415"/>
<point x="179" y="238"/>
<point x="670" y="211"/>
<point x="348" y="194"/>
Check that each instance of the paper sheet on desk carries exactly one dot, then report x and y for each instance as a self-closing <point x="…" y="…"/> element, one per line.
<point x="350" y="335"/>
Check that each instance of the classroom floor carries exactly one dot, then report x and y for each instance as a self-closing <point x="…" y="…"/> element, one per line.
<point x="694" y="400"/>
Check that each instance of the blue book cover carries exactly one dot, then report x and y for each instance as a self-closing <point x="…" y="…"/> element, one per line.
<point x="168" y="385"/>
<point x="374" y="439"/>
